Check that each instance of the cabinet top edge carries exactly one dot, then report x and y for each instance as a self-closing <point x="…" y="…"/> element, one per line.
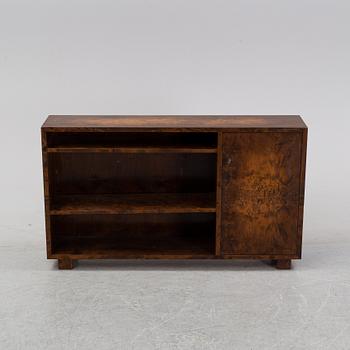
<point x="214" y="122"/>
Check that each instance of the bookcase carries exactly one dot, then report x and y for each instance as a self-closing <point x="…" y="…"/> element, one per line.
<point x="174" y="187"/>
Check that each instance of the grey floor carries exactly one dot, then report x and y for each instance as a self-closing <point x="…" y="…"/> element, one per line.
<point x="173" y="305"/>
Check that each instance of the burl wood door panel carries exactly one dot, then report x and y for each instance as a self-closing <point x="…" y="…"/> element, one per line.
<point x="260" y="193"/>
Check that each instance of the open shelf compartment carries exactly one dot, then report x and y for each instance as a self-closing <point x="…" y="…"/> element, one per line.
<point x="171" y="178"/>
<point x="134" y="236"/>
<point x="132" y="142"/>
<point x="119" y="204"/>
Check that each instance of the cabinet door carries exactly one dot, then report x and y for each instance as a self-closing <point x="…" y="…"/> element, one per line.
<point x="260" y="193"/>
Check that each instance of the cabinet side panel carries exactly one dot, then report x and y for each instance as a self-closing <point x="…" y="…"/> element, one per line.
<point x="260" y="194"/>
<point x="46" y="192"/>
<point x="302" y="189"/>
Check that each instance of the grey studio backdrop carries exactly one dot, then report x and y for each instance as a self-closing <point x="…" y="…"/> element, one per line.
<point x="176" y="57"/>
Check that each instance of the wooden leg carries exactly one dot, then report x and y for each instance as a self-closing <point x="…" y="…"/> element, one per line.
<point x="65" y="264"/>
<point x="283" y="264"/>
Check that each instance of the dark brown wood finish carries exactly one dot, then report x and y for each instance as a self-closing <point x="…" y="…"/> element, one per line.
<point x="130" y="150"/>
<point x="261" y="188"/>
<point x="137" y="236"/>
<point x="174" y="187"/>
<point x="302" y="189"/>
<point x="218" y="196"/>
<point x="114" y="173"/>
<point x="65" y="263"/>
<point x="169" y="122"/>
<point x="132" y="142"/>
<point x="46" y="192"/>
<point x="147" y="203"/>
<point x="283" y="264"/>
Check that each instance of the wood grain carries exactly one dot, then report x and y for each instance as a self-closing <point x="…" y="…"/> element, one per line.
<point x="261" y="193"/>
<point x="302" y="189"/>
<point x="174" y="187"/>
<point x="45" y="162"/>
<point x="114" y="173"/>
<point x="218" y="195"/>
<point x="134" y="203"/>
<point x="160" y="122"/>
<point x="141" y="235"/>
<point x="145" y="149"/>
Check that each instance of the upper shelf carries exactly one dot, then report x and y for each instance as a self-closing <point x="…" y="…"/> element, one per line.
<point x="145" y="203"/>
<point x="132" y="142"/>
<point x="131" y="149"/>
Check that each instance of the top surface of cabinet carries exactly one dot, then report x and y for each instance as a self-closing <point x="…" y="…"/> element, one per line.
<point x="202" y="122"/>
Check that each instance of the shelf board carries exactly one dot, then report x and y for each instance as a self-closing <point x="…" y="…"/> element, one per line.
<point x="134" y="203"/>
<point x="125" y="244"/>
<point x="138" y="149"/>
<point x="200" y="253"/>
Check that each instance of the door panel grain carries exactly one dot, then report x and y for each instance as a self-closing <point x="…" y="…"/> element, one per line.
<point x="260" y="191"/>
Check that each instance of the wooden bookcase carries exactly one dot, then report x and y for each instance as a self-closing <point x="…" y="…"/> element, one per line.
<point x="174" y="187"/>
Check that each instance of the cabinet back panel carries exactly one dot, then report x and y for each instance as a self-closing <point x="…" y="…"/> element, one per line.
<point x="74" y="173"/>
<point x="130" y="139"/>
<point x="144" y="233"/>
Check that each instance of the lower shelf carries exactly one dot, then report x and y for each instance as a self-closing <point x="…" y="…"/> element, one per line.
<point x="134" y="203"/>
<point x="181" y="236"/>
<point x="202" y="249"/>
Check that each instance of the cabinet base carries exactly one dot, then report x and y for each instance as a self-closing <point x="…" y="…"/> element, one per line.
<point x="282" y="264"/>
<point x="66" y="264"/>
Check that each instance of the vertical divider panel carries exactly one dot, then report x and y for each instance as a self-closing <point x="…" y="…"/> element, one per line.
<point x="218" y="195"/>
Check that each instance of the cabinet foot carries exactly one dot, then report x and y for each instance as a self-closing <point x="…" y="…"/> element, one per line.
<point x="283" y="264"/>
<point x="66" y="264"/>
